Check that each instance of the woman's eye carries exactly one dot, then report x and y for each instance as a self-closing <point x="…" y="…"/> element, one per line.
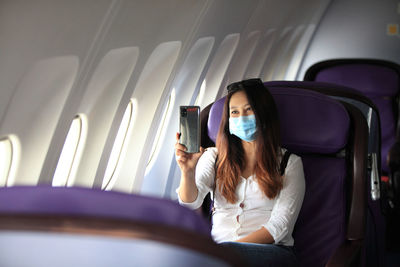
<point x="234" y="112"/>
<point x="249" y="109"/>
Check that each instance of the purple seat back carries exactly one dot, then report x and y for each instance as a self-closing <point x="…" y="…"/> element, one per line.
<point x="74" y="201"/>
<point x="214" y="119"/>
<point x="312" y="125"/>
<point x="378" y="80"/>
<point x="374" y="252"/>
<point x="317" y="128"/>
<point x="323" y="140"/>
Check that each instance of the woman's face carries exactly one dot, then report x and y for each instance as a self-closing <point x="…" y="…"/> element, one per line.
<point x="239" y="105"/>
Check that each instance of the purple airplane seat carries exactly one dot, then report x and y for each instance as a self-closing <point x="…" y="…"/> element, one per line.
<point x="377" y="79"/>
<point x="374" y="249"/>
<point x="102" y="220"/>
<point x="331" y="137"/>
<point x="95" y="203"/>
<point x="380" y="81"/>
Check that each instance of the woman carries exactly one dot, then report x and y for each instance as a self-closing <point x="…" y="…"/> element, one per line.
<point x="255" y="207"/>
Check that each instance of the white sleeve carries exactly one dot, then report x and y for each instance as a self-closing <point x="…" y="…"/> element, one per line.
<point x="204" y="175"/>
<point x="287" y="207"/>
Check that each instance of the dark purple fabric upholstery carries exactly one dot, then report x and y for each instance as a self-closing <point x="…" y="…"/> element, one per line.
<point x="46" y="200"/>
<point x="214" y="118"/>
<point x="388" y="127"/>
<point x="309" y="85"/>
<point x="310" y="121"/>
<point x="372" y="80"/>
<point x="375" y="237"/>
<point x="378" y="82"/>
<point x="301" y="113"/>
<point x="320" y="228"/>
<point x="352" y="96"/>
<point x="312" y="125"/>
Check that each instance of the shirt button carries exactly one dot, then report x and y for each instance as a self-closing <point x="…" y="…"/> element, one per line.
<point x="241" y="205"/>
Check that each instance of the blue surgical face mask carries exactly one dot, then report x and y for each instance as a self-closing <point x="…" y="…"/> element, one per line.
<point x="243" y="127"/>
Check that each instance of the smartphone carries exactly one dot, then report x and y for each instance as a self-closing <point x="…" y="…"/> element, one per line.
<point x="189" y="128"/>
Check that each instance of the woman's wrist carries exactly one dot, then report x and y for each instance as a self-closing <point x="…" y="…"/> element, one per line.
<point x="188" y="173"/>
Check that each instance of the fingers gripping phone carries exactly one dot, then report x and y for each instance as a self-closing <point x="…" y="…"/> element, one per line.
<point x="189" y="128"/>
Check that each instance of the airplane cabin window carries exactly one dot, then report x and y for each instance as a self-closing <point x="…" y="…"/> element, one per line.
<point x="261" y="54"/>
<point x="166" y="116"/>
<point x="200" y="96"/>
<point x="105" y="88"/>
<point x="277" y="54"/>
<point x="281" y="71"/>
<point x="218" y="67"/>
<point x="299" y="53"/>
<point x="119" y="149"/>
<point x="148" y="92"/>
<point x="34" y="112"/>
<point x="185" y="87"/>
<point x="243" y="56"/>
<point x="71" y="152"/>
<point x="6" y="159"/>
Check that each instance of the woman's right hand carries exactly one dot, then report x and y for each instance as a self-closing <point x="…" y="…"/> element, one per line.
<point x="187" y="161"/>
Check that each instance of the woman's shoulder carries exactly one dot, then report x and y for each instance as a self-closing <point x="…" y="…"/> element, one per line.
<point x="211" y="152"/>
<point x="294" y="172"/>
<point x="292" y="158"/>
<point x="207" y="160"/>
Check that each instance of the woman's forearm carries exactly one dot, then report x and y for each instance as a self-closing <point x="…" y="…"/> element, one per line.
<point x="187" y="189"/>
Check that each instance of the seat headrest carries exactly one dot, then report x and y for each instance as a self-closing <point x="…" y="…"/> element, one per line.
<point x="374" y="80"/>
<point x="310" y="122"/>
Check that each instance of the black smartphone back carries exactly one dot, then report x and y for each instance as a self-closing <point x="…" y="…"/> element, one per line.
<point x="189" y="127"/>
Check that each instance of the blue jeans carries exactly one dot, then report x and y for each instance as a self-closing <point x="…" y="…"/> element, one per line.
<point x="264" y="254"/>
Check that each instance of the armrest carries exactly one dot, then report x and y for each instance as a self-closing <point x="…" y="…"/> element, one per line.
<point x="393" y="160"/>
<point x="348" y="254"/>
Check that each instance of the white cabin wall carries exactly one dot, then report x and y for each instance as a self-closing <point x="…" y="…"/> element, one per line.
<point x="289" y="36"/>
<point x="221" y="22"/>
<point x="355" y="29"/>
<point x="127" y="30"/>
<point x="147" y="28"/>
<point x="118" y="50"/>
<point x="153" y="81"/>
<point x="99" y="104"/>
<point x="38" y="41"/>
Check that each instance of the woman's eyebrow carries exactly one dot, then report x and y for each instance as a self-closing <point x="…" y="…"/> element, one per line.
<point x="245" y="105"/>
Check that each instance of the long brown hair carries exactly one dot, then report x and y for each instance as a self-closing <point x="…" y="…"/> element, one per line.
<point x="231" y="161"/>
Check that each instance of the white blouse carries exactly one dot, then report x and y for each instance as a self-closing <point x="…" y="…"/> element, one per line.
<point x="253" y="209"/>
